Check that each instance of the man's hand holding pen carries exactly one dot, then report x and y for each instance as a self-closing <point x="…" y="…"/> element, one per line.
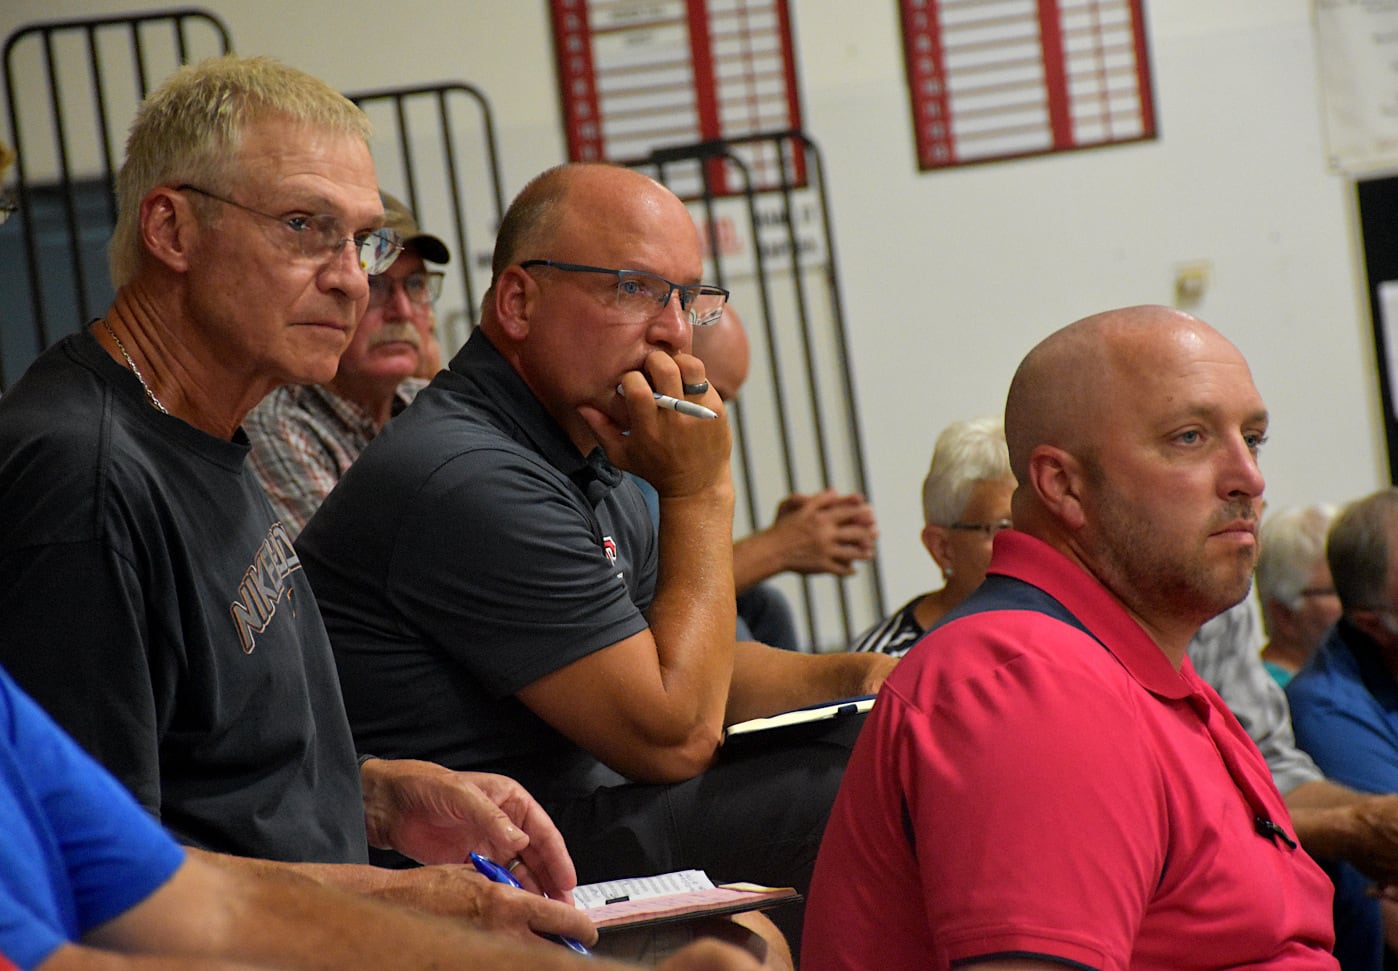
<point x="677" y="450"/>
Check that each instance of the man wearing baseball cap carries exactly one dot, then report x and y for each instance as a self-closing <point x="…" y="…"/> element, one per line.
<point x="305" y="436"/>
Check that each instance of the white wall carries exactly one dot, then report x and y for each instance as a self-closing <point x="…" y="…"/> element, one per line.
<point x="949" y="277"/>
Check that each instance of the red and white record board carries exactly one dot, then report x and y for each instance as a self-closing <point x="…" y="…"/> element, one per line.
<point x="995" y="79"/>
<point x="636" y="75"/>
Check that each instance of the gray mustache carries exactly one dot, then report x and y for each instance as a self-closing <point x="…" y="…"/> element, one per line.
<point x="391" y="333"/>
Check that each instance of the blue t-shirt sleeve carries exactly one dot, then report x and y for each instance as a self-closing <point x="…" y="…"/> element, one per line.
<point x="1346" y="730"/>
<point x="77" y="848"/>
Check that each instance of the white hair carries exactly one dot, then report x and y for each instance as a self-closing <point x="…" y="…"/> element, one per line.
<point x="967" y="452"/>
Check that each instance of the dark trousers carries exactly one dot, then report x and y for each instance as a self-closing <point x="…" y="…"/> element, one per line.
<point x="757" y="815"/>
<point x="764" y="615"/>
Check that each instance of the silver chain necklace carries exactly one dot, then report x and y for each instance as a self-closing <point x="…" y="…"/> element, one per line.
<point x="134" y="369"/>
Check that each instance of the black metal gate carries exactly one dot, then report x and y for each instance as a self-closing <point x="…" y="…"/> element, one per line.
<point x="73" y="87"/>
<point x="795" y="428"/>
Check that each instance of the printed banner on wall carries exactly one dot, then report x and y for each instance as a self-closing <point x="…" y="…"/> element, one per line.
<point x="996" y="79"/>
<point x="637" y="75"/>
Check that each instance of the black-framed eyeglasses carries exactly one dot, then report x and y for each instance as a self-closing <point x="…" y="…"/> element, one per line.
<point x="422" y="287"/>
<point x="990" y="529"/>
<point x="318" y="237"/>
<point x="643" y="295"/>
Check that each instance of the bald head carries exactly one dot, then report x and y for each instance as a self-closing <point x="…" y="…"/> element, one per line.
<point x="532" y="217"/>
<point x="574" y="192"/>
<point x="723" y="347"/>
<point x="1134" y="436"/>
<point x="1076" y="376"/>
<point x="559" y="308"/>
<point x="597" y="214"/>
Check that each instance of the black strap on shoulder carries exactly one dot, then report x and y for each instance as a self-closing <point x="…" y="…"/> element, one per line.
<point x="1000" y="592"/>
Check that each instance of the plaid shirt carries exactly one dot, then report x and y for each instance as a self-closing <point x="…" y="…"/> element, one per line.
<point x="303" y="439"/>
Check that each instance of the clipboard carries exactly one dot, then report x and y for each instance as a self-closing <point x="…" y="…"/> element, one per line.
<point x="731" y="898"/>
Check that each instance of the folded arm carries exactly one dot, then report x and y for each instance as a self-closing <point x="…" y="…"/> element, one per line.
<point x="652" y="704"/>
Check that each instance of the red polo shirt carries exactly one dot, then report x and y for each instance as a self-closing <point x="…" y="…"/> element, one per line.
<point x="1024" y="788"/>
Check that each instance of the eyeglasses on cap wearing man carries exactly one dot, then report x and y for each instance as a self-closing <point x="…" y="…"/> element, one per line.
<point x="422" y="287"/>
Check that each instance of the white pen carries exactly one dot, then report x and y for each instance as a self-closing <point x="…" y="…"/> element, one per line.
<point x="678" y="404"/>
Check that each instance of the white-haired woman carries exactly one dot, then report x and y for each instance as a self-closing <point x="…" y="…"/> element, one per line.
<point x="965" y="502"/>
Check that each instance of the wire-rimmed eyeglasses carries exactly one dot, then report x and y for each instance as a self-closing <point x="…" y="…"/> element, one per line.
<point x="423" y="287"/>
<point x="643" y="294"/>
<point x="989" y="529"/>
<point x="318" y="237"/>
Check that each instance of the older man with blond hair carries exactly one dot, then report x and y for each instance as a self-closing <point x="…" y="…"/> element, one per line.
<point x="151" y="601"/>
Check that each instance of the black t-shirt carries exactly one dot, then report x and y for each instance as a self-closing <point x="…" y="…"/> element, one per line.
<point x="469" y="551"/>
<point x="150" y="601"/>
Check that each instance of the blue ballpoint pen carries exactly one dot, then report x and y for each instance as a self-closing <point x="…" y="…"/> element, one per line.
<point x="498" y="874"/>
